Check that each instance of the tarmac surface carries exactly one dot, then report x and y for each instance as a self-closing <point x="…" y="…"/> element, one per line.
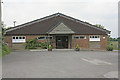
<point x="60" y="64"/>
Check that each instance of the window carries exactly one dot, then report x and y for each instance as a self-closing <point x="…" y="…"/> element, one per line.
<point x="18" y="39"/>
<point x="13" y="37"/>
<point x="82" y="37"/>
<point x="41" y="38"/>
<point x="76" y="37"/>
<point x="44" y="37"/>
<point x="94" y="38"/>
<point x="23" y="37"/>
<point x="50" y="37"/>
<point x="79" y="37"/>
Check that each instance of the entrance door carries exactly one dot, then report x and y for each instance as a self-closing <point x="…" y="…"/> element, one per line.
<point x="61" y="42"/>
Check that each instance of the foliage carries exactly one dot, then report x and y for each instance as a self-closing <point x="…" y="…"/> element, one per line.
<point x="100" y="26"/>
<point x="77" y="47"/>
<point x="3" y="33"/>
<point x="113" y="39"/>
<point x="109" y="48"/>
<point x="115" y="42"/>
<point x="44" y="45"/>
<point x="5" y="49"/>
<point x="31" y="44"/>
<point x="9" y="28"/>
<point x="34" y="43"/>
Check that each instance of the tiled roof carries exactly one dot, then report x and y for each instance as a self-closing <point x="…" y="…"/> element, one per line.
<point x="43" y="25"/>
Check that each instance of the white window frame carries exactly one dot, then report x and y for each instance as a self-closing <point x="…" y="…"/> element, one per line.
<point x="49" y="36"/>
<point x="45" y="37"/>
<point x="41" y="39"/>
<point x="75" y="36"/>
<point x="79" y="37"/>
<point x="19" y="40"/>
<point x="82" y="38"/>
<point x="94" y="38"/>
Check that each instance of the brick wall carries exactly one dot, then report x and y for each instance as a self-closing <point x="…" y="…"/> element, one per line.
<point x="83" y="43"/>
<point x="8" y="40"/>
<point x="45" y="40"/>
<point x="103" y="42"/>
<point x="35" y="36"/>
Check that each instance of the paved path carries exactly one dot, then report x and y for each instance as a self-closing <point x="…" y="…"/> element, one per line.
<point x="60" y="64"/>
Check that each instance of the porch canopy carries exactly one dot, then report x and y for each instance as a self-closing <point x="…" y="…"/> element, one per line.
<point x="61" y="28"/>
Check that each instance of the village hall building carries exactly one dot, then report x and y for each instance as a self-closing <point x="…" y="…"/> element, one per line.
<point x="62" y="30"/>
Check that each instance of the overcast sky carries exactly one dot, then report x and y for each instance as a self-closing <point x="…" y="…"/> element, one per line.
<point x="104" y="12"/>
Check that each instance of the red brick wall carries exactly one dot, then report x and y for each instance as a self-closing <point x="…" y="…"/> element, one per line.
<point x="83" y="43"/>
<point x="8" y="40"/>
<point x="103" y="42"/>
<point x="35" y="36"/>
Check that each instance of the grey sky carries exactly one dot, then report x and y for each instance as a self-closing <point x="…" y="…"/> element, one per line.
<point x="104" y="12"/>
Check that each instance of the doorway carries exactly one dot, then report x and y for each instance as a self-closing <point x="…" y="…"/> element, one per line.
<point x="61" y="42"/>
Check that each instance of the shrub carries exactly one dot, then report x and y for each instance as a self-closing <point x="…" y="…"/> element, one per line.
<point x="109" y="48"/>
<point x="5" y="49"/>
<point x="34" y="43"/>
<point x="31" y="44"/>
<point x="77" y="47"/>
<point x="44" y="45"/>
